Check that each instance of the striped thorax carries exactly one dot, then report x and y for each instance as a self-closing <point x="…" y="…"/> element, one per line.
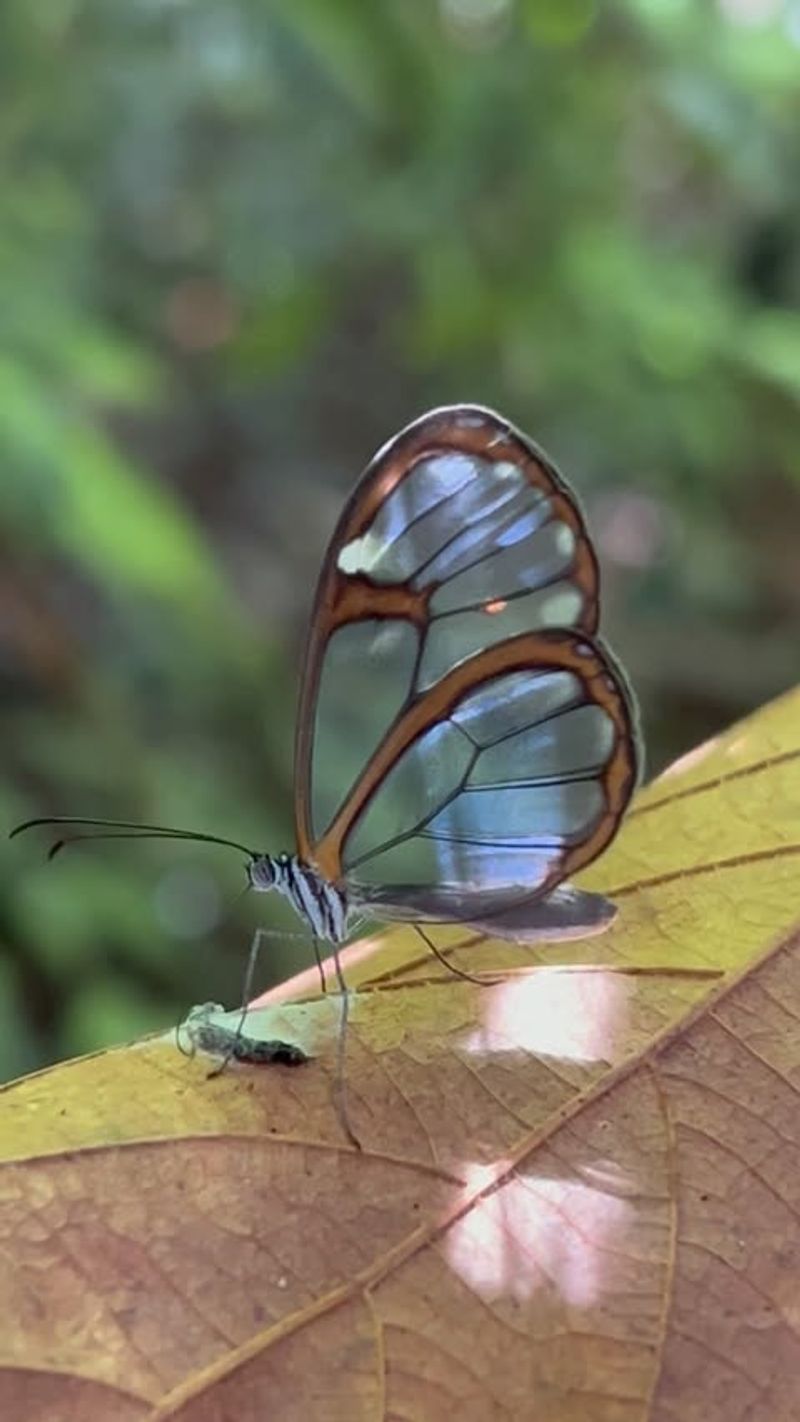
<point x="322" y="905"/>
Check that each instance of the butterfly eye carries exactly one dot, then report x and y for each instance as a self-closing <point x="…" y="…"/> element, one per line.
<point x="261" y="873"/>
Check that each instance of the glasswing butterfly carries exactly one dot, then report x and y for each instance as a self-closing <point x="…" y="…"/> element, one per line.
<point x="465" y="742"/>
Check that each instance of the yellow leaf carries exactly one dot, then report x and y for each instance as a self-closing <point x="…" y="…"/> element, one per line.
<point x="578" y="1197"/>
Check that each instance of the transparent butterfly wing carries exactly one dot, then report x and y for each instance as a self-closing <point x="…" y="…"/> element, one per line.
<point x="459" y="536"/>
<point x="521" y="915"/>
<point x="489" y="755"/>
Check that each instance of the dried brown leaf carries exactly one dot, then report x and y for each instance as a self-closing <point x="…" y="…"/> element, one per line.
<point x="578" y="1198"/>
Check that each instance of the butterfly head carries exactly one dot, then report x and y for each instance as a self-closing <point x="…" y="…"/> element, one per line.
<point x="263" y="872"/>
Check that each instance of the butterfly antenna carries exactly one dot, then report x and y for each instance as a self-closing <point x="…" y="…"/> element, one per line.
<point x="68" y="839"/>
<point x="123" y="829"/>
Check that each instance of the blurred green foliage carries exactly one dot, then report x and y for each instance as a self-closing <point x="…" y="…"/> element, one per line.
<point x="241" y="243"/>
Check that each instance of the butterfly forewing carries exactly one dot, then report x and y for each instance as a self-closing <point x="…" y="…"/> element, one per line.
<point x="459" y="536"/>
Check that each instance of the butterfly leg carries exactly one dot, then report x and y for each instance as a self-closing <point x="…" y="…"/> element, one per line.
<point x="320" y="965"/>
<point x="340" y="1075"/>
<point x="247" y="988"/>
<point x="451" y="967"/>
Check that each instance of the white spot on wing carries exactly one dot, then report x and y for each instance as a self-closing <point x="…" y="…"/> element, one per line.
<point x="360" y="555"/>
<point x="504" y="469"/>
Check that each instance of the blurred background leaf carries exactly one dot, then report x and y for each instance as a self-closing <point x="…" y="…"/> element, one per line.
<point x="241" y="244"/>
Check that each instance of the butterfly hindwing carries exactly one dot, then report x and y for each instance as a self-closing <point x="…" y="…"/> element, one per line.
<point x="508" y="775"/>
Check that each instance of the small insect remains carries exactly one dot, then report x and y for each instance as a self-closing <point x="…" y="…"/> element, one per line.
<point x="465" y="741"/>
<point x="206" y="1033"/>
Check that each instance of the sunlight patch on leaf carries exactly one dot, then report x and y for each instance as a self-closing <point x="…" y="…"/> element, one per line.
<point x="536" y="1233"/>
<point x="571" y="1016"/>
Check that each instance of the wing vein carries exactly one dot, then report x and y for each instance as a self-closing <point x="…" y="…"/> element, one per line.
<point x="485" y="518"/>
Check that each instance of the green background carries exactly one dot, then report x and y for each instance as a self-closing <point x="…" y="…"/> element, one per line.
<point x="241" y="244"/>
